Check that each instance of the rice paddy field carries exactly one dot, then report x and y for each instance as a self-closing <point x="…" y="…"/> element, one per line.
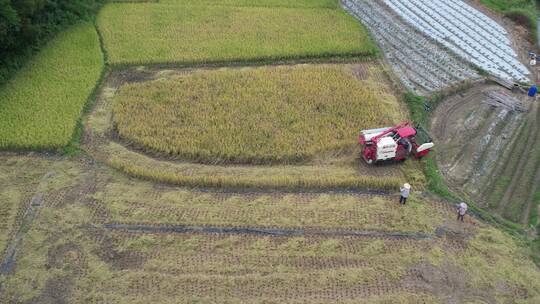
<point x="75" y="250"/>
<point x="16" y="177"/>
<point x="269" y="90"/>
<point x="219" y="164"/>
<point x="309" y="211"/>
<point x="283" y="114"/>
<point x="260" y="3"/>
<point x="183" y="33"/>
<point x="41" y="105"/>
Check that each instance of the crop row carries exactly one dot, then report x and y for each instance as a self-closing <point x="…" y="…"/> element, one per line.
<point x="278" y="114"/>
<point x="259" y="177"/>
<point x="379" y="215"/>
<point x="321" y="211"/>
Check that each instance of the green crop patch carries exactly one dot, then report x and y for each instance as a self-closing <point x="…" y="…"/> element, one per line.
<point x="523" y="12"/>
<point x="40" y="106"/>
<point x="157" y="33"/>
<point x="509" y="5"/>
<point x="283" y="114"/>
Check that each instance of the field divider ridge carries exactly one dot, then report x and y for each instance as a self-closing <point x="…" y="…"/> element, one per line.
<point x="264" y="231"/>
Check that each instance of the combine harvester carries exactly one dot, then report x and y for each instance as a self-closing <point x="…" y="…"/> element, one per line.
<point x="394" y="143"/>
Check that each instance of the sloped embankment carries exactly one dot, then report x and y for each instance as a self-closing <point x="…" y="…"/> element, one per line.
<point x="491" y="153"/>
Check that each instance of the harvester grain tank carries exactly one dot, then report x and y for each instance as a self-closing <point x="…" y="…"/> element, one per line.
<point x="394" y="143"/>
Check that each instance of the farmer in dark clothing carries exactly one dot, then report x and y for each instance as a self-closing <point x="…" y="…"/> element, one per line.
<point x="405" y="191"/>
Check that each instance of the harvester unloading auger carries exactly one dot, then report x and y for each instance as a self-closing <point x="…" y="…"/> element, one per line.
<point x="394" y="143"/>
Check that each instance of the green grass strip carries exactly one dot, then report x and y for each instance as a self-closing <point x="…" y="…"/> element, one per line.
<point x="524" y="12"/>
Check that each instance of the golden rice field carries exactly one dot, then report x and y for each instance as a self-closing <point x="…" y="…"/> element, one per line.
<point x="257" y="3"/>
<point x="172" y="32"/>
<point x="280" y="114"/>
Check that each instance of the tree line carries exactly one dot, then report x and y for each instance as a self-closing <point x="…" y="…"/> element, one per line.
<point x="25" y="25"/>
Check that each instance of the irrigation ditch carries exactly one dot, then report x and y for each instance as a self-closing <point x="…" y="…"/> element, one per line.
<point x="265" y="231"/>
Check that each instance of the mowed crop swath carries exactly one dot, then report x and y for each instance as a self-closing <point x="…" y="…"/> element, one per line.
<point x="136" y="204"/>
<point x="40" y="106"/>
<point x="192" y="33"/>
<point x="246" y="269"/>
<point x="68" y="246"/>
<point x="281" y="114"/>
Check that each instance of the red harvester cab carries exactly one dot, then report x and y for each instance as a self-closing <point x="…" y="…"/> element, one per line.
<point x="394" y="143"/>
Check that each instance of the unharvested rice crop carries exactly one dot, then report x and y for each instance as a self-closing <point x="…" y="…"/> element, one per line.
<point x="259" y="3"/>
<point x="146" y="33"/>
<point x="40" y="106"/>
<point x="283" y="114"/>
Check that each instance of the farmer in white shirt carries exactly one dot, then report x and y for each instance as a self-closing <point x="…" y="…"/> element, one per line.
<point x="462" y="210"/>
<point x="405" y="191"/>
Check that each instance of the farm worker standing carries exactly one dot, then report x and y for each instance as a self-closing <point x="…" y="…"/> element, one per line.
<point x="462" y="209"/>
<point x="405" y="191"/>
